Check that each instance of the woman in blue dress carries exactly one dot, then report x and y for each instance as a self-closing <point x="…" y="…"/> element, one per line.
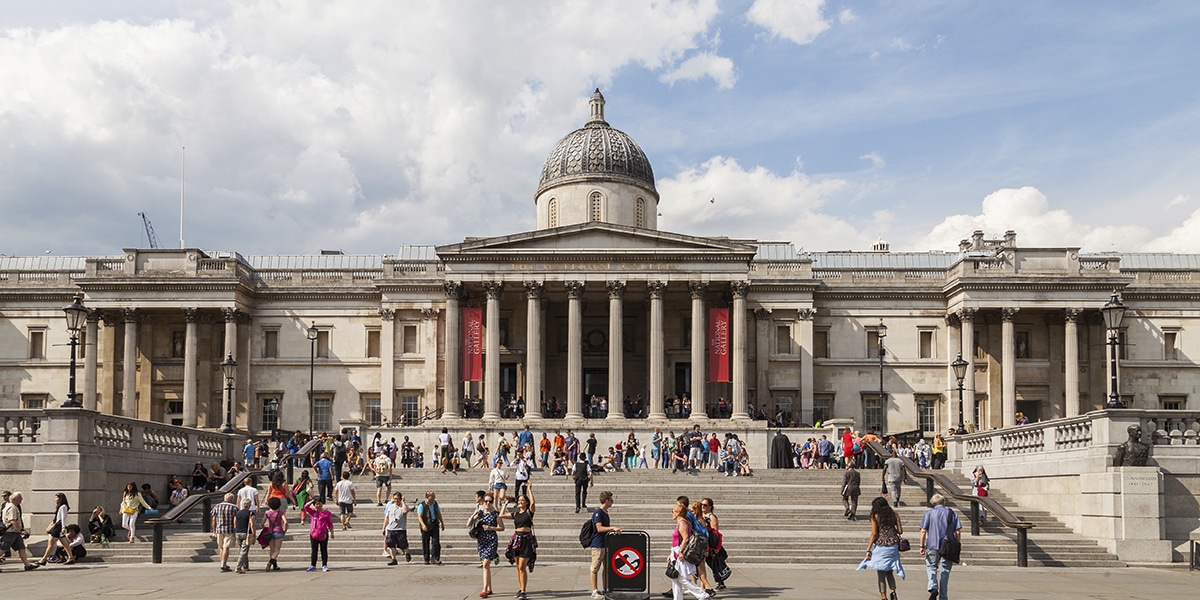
<point x="486" y="543"/>
<point x="883" y="549"/>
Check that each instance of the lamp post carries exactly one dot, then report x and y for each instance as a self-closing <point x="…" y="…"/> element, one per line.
<point x="313" y="333"/>
<point x="960" y="371"/>
<point x="229" y="368"/>
<point x="1114" y="313"/>
<point x="76" y="312"/>
<point x="881" y="332"/>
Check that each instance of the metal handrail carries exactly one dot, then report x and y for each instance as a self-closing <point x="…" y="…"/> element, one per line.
<point x="175" y="514"/>
<point x="952" y="491"/>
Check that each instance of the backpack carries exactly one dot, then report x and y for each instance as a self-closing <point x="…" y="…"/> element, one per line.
<point x="581" y="471"/>
<point x="587" y="532"/>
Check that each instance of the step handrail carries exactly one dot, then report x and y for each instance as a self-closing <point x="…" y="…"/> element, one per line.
<point x="952" y="491"/>
<point x="180" y="510"/>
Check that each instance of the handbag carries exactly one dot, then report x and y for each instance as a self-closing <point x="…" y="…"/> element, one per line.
<point x="264" y="537"/>
<point x="981" y="491"/>
<point x="672" y="572"/>
<point x="475" y="529"/>
<point x="904" y="545"/>
<point x="694" y="549"/>
<point x="54" y="529"/>
<point x="128" y="510"/>
<point x="951" y="548"/>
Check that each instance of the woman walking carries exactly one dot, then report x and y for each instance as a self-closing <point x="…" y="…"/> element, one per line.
<point x="131" y="502"/>
<point x="522" y="548"/>
<point x="58" y="530"/>
<point x="280" y="489"/>
<point x="498" y="482"/>
<point x="301" y="489"/>
<point x="631" y="451"/>
<point x="521" y="466"/>
<point x="701" y="572"/>
<point x="980" y="484"/>
<point x="686" y="571"/>
<point x="275" y="522"/>
<point x="883" y="549"/>
<point x="482" y="449"/>
<point x="716" y="555"/>
<point x="490" y="523"/>
<point x="319" y="533"/>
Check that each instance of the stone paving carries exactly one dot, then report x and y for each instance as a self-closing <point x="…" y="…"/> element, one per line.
<point x="563" y="580"/>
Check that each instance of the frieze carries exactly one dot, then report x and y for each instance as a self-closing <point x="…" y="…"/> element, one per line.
<point x="599" y="266"/>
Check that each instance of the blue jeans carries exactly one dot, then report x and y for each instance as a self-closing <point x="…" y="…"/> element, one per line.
<point x="939" y="581"/>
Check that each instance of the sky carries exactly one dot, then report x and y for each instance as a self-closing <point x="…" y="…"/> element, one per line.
<point x="364" y="126"/>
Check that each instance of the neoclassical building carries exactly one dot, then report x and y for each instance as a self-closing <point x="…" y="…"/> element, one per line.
<point x="596" y="301"/>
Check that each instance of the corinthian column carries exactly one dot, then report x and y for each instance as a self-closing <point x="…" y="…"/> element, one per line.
<point x="807" y="345"/>
<point x="189" y="368"/>
<point x="387" y="363"/>
<point x="740" y="289"/>
<point x="656" y="289"/>
<point x="534" y="355"/>
<point x="1008" y="370"/>
<point x="491" y="359"/>
<point x="92" y="337"/>
<point x="616" y="350"/>
<point x="574" y="349"/>
<point x="697" y="288"/>
<point x="129" y="364"/>
<point x="967" y="317"/>
<point x="1071" y="362"/>
<point x="453" y="385"/>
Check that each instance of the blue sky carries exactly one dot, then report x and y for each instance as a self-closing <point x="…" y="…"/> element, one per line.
<point x="366" y="125"/>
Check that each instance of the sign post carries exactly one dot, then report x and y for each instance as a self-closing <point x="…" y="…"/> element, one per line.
<point x="627" y="554"/>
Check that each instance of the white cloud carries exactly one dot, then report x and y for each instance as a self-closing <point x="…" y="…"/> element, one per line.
<point x="1185" y="238"/>
<point x="705" y="64"/>
<point x="1179" y="200"/>
<point x="800" y="21"/>
<point x="846" y="16"/>
<point x="876" y="159"/>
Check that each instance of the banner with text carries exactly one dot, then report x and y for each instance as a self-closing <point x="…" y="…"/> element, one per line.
<point x="472" y="344"/>
<point x="718" y="345"/>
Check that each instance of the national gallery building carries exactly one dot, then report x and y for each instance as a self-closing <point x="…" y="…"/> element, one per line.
<point x="599" y="314"/>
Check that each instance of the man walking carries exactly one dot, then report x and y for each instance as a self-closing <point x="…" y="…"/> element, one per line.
<point x="602" y="525"/>
<point x="429" y="514"/>
<point x="324" y="469"/>
<point x="14" y="538"/>
<point x="850" y="491"/>
<point x="346" y="499"/>
<point x="249" y="492"/>
<point x="894" y="474"/>
<point x="938" y="523"/>
<point x="583" y="479"/>
<point x="224" y="515"/>
<point x="395" y="528"/>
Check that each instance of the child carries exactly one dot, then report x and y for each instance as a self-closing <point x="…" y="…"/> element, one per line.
<point x="319" y="532"/>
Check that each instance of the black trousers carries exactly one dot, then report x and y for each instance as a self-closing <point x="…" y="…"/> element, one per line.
<point x="323" y="545"/>
<point x="325" y="489"/>
<point x="581" y="493"/>
<point x="431" y="543"/>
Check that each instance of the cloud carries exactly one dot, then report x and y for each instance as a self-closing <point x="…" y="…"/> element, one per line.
<point x="799" y="21"/>
<point x="705" y="64"/>
<point x="846" y="16"/>
<point x="1179" y="200"/>
<point x="1185" y="238"/>
<point x="876" y="159"/>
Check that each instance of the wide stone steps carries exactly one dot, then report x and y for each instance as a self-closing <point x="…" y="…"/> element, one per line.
<point x="774" y="517"/>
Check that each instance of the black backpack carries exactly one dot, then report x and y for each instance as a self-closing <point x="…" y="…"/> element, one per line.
<point x="581" y="471"/>
<point x="587" y="532"/>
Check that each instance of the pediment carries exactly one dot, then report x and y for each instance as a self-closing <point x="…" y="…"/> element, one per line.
<point x="597" y="239"/>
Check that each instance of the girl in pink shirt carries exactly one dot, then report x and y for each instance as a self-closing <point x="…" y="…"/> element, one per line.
<point x="319" y="532"/>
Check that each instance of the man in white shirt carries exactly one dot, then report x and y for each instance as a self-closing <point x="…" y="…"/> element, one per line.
<point x="395" y="528"/>
<point x="248" y="492"/>
<point x="343" y="492"/>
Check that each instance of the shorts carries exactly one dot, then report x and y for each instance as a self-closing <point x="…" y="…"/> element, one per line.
<point x="18" y="542"/>
<point x="500" y="486"/>
<point x="226" y="541"/>
<point x="347" y="508"/>
<point x="597" y="559"/>
<point x="383" y="481"/>
<point x="277" y="535"/>
<point x="397" y="538"/>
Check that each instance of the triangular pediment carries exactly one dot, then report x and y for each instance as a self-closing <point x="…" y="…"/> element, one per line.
<point x="595" y="239"/>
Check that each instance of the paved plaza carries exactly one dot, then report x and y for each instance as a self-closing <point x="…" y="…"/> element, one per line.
<point x="561" y="580"/>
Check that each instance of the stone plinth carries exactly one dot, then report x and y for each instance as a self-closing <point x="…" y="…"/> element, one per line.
<point x="1123" y="508"/>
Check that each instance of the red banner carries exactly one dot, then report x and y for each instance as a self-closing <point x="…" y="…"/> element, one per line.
<point x="472" y="344"/>
<point x="718" y="345"/>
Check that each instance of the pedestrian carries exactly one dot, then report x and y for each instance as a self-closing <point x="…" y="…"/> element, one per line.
<point x="301" y="489"/>
<point x="324" y="468"/>
<point x="482" y="449"/>
<point x="280" y="489"/>
<point x="58" y="530"/>
<point x="589" y="447"/>
<point x="894" y="474"/>
<point x="243" y="531"/>
<point x="16" y="534"/>
<point x="502" y="448"/>
<point x="717" y="556"/>
<point x="382" y="467"/>
<point x="522" y="548"/>
<point x="521" y="466"/>
<point x="224" y="519"/>
<point x="602" y="524"/>
<point x="695" y="512"/>
<point x="544" y="450"/>
<point x="395" y="528"/>
<point x="497" y="481"/>
<point x="937" y="524"/>
<point x="583" y="480"/>
<point x="980" y="484"/>
<point x="346" y="495"/>
<point x="571" y="446"/>
<point x="248" y="491"/>
<point x="275" y="521"/>
<point x="883" y="547"/>
<point x="486" y="542"/>
<point x="131" y="502"/>
<point x="320" y="532"/>
<point x="656" y="440"/>
<point x="939" y="451"/>
<point x="466" y="449"/>
<point x="429" y="515"/>
<point x="851" y="482"/>
<point x="686" y="571"/>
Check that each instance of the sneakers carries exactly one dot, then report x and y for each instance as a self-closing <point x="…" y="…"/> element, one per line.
<point x="597" y="594"/>
<point x="31" y="567"/>
<point x="225" y="569"/>
<point x="325" y="568"/>
<point x="239" y="570"/>
<point x="392" y="563"/>
<point x="385" y="554"/>
<point x="310" y="569"/>
<point x="407" y="557"/>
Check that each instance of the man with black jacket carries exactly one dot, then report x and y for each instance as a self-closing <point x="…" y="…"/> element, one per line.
<point x="850" y="491"/>
<point x="583" y="479"/>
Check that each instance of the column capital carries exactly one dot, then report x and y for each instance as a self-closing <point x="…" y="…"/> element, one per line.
<point x="493" y="289"/>
<point x="740" y="288"/>
<point x="534" y="290"/>
<point x="762" y="313"/>
<point x="807" y="314"/>
<point x="952" y="320"/>
<point x="1009" y="314"/>
<point x="656" y="289"/>
<point x="1071" y="315"/>
<point x="387" y="314"/>
<point x="430" y="314"/>
<point x="129" y="315"/>
<point x="94" y="316"/>
<point x="967" y="314"/>
<point x="191" y="315"/>
<point x="697" y="289"/>
<point x="453" y="289"/>
<point x="574" y="289"/>
<point x="616" y="289"/>
<point x="230" y="314"/>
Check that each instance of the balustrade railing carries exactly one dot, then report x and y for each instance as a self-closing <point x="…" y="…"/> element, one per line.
<point x="1159" y="427"/>
<point x="21" y="426"/>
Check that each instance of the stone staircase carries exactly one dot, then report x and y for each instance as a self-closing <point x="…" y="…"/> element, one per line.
<point x="772" y="517"/>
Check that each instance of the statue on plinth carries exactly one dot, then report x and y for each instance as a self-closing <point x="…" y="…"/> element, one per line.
<point x="1134" y="452"/>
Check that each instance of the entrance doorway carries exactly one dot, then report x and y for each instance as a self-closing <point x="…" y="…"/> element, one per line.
<point x="1032" y="409"/>
<point x="683" y="379"/>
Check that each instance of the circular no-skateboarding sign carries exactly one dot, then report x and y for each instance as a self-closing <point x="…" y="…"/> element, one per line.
<point x="627" y="562"/>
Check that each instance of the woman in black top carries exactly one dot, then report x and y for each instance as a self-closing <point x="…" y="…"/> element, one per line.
<point x="199" y="478"/>
<point x="243" y="529"/>
<point x="522" y="548"/>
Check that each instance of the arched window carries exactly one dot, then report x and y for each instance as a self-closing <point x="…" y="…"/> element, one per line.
<point x="597" y="207"/>
<point x="553" y="210"/>
<point x="641" y="212"/>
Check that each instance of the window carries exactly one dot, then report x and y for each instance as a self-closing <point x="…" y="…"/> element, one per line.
<point x="782" y="404"/>
<point x="372" y="343"/>
<point x="875" y="413"/>
<point x="372" y="411"/>
<point x="820" y="347"/>
<point x="1022" y="339"/>
<point x="641" y="212"/>
<point x="980" y="341"/>
<point x="82" y="349"/>
<point x="925" y="342"/>
<point x="783" y="339"/>
<point x="872" y="343"/>
<point x="37" y="344"/>
<point x="270" y="412"/>
<point x="927" y="413"/>
<point x="174" y="414"/>
<point x="1172" y="402"/>
<point x="410" y="339"/>
<point x="410" y="410"/>
<point x="323" y="413"/>
<point x="1170" y="345"/>
<point x="685" y="332"/>
<point x="323" y="343"/>
<point x="1122" y="345"/>
<point x="504" y="332"/>
<point x="34" y="401"/>
<point x="270" y="343"/>
<point x="596" y="207"/>
<point x="553" y="210"/>
<point x="822" y="408"/>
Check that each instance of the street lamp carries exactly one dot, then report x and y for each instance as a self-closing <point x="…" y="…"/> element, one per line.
<point x="313" y="333"/>
<point x="880" y="333"/>
<point x="1114" y="313"/>
<point x="229" y="368"/>
<point x="960" y="371"/>
<point x="76" y="313"/>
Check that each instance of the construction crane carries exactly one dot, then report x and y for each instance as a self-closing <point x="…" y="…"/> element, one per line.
<point x="149" y="230"/>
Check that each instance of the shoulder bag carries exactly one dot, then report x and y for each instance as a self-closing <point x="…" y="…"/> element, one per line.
<point x="951" y="548"/>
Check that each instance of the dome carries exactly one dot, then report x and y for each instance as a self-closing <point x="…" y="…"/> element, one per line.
<point x="597" y="150"/>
